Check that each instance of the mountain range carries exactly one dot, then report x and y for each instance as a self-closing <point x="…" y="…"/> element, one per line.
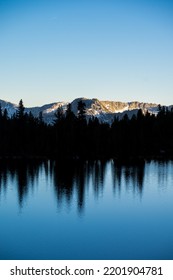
<point x="105" y="111"/>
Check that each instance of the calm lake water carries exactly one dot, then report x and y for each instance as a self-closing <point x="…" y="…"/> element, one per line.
<point x="89" y="210"/>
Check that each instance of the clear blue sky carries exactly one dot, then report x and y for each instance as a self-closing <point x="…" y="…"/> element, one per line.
<point x="55" y="50"/>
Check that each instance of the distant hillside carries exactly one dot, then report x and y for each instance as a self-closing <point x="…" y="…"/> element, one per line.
<point x="105" y="111"/>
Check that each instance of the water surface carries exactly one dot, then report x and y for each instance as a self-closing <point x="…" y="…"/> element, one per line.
<point x="86" y="210"/>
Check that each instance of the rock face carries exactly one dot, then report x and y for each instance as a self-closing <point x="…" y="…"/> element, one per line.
<point x="105" y="111"/>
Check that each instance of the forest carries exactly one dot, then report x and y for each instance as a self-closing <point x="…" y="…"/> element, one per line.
<point x="74" y="137"/>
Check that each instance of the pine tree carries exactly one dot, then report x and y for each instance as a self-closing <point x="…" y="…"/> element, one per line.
<point x="20" y="111"/>
<point x="5" y="114"/>
<point x="69" y="111"/>
<point x="40" y="117"/>
<point x="59" y="115"/>
<point x="0" y="112"/>
<point x="81" y="110"/>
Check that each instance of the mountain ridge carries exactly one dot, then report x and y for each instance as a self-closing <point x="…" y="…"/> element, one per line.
<point x="105" y="111"/>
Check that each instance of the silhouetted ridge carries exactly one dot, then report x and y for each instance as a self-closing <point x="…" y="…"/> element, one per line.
<point x="73" y="136"/>
<point x="105" y="111"/>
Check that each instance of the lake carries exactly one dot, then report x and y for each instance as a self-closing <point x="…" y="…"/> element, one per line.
<point x="86" y="210"/>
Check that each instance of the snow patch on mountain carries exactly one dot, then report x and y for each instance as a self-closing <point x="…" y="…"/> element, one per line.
<point x="105" y="111"/>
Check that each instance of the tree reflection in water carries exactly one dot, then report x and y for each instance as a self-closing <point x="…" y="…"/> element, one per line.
<point x="131" y="173"/>
<point x="23" y="172"/>
<point x="70" y="178"/>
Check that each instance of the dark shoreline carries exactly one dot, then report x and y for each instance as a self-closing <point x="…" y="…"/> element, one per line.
<point x="118" y="160"/>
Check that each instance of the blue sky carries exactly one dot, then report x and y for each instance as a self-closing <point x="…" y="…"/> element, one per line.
<point x="55" y="50"/>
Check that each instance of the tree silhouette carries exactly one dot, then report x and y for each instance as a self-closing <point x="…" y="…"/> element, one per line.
<point x="74" y="137"/>
<point x="20" y="111"/>
<point x="81" y="110"/>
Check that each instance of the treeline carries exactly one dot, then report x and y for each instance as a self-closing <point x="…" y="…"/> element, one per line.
<point x="73" y="137"/>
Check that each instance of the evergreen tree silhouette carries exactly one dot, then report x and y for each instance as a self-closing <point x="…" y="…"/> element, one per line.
<point x="20" y="111"/>
<point x="81" y="110"/>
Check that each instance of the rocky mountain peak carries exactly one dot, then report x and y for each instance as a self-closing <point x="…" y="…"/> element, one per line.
<point x="105" y="111"/>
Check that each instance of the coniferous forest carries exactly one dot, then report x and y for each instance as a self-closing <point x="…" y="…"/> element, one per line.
<point x="73" y="137"/>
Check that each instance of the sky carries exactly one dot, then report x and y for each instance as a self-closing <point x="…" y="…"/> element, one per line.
<point x="59" y="50"/>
